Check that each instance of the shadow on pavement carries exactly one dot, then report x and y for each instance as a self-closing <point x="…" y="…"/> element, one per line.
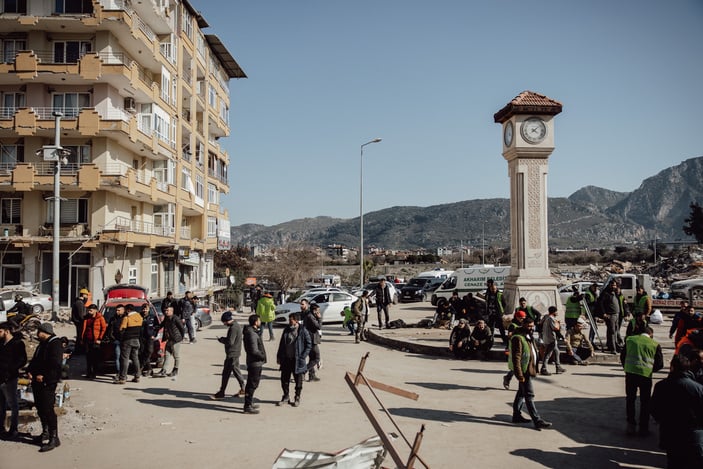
<point x="450" y="387"/>
<point x="591" y="456"/>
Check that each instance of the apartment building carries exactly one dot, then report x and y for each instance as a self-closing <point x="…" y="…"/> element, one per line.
<point x="144" y="98"/>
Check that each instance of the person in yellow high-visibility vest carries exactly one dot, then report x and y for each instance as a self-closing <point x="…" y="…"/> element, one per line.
<point x="641" y="357"/>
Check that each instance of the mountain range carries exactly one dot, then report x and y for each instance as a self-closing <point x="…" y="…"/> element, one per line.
<point x="590" y="217"/>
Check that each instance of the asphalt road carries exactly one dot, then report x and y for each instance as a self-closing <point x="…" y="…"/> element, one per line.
<point x="465" y="410"/>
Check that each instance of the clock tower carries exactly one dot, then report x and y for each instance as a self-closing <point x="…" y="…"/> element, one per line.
<point x="528" y="140"/>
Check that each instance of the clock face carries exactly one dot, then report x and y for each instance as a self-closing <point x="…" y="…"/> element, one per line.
<point x="508" y="134"/>
<point x="533" y="130"/>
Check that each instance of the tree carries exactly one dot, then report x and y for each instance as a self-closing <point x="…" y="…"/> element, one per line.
<point x="235" y="260"/>
<point x="694" y="223"/>
<point x="287" y="266"/>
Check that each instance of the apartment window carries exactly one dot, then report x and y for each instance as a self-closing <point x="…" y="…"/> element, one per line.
<point x="187" y="23"/>
<point x="10" y="47"/>
<point x="68" y="52"/>
<point x="199" y="185"/>
<point x="70" y="104"/>
<point x="145" y="118"/>
<point x="185" y="179"/>
<point x="10" y="103"/>
<point x="132" y="276"/>
<point x="163" y="171"/>
<point x="212" y="96"/>
<point x="14" y="6"/>
<point x="212" y="193"/>
<point x="74" y="6"/>
<point x="80" y="154"/>
<point x="71" y="211"/>
<point x="10" y="155"/>
<point x="165" y="85"/>
<point x="200" y="45"/>
<point x="11" y="210"/>
<point x="164" y="219"/>
<point x="211" y="227"/>
<point x="161" y="127"/>
<point x="224" y="111"/>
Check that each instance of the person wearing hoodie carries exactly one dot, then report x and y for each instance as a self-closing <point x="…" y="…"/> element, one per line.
<point x="13" y="356"/>
<point x="266" y="310"/>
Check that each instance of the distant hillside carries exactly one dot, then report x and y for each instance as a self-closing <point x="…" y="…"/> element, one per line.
<point x="590" y="217"/>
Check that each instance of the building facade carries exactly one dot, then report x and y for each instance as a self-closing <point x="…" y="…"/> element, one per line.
<point x="144" y="98"/>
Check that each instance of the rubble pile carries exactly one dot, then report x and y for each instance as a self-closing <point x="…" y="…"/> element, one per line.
<point x="686" y="264"/>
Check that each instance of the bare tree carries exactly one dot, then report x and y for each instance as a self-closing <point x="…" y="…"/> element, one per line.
<point x="287" y="266"/>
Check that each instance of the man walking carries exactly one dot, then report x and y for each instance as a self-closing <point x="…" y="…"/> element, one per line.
<point x="551" y="332"/>
<point x="293" y="351"/>
<point x="130" y="329"/>
<point x="233" y="349"/>
<point x="146" y="339"/>
<point x="609" y="304"/>
<point x="383" y="302"/>
<point x="360" y="313"/>
<point x="173" y="335"/>
<point x="522" y="362"/>
<point x="495" y="308"/>
<point x="641" y="357"/>
<point x="256" y="358"/>
<point x="94" y="329"/>
<point x="313" y="323"/>
<point x="45" y="373"/>
<point x="13" y="356"/>
<point x="186" y="309"/>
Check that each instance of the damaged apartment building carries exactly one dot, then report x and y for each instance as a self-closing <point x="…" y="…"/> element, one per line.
<point x="144" y="100"/>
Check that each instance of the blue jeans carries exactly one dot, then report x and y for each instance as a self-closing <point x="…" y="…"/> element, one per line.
<point x="118" y="355"/>
<point x="525" y="397"/>
<point x="8" y="398"/>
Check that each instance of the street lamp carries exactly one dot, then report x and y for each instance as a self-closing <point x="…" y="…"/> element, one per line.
<point x="361" y="212"/>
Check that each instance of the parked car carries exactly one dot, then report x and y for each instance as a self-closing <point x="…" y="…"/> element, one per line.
<point x="203" y="316"/>
<point x="136" y="296"/>
<point x="331" y="305"/>
<point x="567" y="290"/>
<point x="419" y="289"/>
<point x="39" y="302"/>
<point x="691" y="289"/>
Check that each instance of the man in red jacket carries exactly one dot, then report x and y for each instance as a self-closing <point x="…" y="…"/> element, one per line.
<point x="94" y="328"/>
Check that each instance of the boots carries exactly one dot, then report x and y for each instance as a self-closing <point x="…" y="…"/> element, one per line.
<point x="54" y="442"/>
<point x="313" y="376"/>
<point x="40" y="439"/>
<point x="173" y="373"/>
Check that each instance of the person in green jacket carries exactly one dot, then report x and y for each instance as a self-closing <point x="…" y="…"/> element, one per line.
<point x="640" y="357"/>
<point x="266" y="310"/>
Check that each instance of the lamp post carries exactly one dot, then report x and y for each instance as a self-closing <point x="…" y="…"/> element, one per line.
<point x="361" y="212"/>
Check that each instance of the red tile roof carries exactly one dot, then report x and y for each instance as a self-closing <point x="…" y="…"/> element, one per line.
<point x="528" y="102"/>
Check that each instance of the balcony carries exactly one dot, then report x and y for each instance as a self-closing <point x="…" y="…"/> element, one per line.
<point x="124" y="230"/>
<point x="66" y="230"/>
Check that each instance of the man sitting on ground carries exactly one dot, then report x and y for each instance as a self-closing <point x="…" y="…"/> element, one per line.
<point x="481" y="339"/>
<point x="578" y="348"/>
<point x="459" y="339"/>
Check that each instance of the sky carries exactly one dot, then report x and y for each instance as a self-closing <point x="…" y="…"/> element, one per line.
<point x="326" y="76"/>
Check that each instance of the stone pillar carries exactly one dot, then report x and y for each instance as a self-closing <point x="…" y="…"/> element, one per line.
<point x="528" y="141"/>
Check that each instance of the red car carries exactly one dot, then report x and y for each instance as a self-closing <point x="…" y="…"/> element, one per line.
<point x="136" y="296"/>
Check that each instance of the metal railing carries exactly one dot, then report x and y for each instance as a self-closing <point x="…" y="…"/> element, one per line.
<point x="143" y="27"/>
<point x="46" y="168"/>
<point x="46" y="113"/>
<point x="185" y="232"/>
<point x="116" y="5"/>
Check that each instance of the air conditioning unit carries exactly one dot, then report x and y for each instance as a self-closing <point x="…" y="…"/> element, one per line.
<point x="130" y="105"/>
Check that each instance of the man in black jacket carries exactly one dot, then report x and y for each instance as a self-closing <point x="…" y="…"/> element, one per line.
<point x="173" y="335"/>
<point x="383" y="302"/>
<point x="677" y="404"/>
<point x="256" y="358"/>
<point x="186" y="309"/>
<point x="13" y="356"/>
<point x="146" y="340"/>
<point x="233" y="349"/>
<point x="313" y="323"/>
<point x="292" y="353"/>
<point x="77" y="316"/>
<point x="45" y="373"/>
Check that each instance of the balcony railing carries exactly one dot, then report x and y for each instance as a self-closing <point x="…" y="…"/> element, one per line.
<point x="145" y="29"/>
<point x="46" y="113"/>
<point x="185" y="232"/>
<point x="115" y="5"/>
<point x="46" y="168"/>
<point x="124" y="225"/>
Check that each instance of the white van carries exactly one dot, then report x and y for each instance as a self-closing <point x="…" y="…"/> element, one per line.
<point x="471" y="279"/>
<point x="435" y="273"/>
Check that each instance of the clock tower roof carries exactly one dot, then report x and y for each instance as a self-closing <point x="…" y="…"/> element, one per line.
<point x="528" y="102"/>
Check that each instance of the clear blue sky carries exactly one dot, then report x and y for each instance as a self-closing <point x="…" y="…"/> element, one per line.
<point x="427" y="76"/>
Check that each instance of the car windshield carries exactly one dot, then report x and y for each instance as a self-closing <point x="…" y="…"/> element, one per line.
<point x="418" y="282"/>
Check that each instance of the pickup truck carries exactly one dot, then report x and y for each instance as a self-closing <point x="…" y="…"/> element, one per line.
<point x="628" y="285"/>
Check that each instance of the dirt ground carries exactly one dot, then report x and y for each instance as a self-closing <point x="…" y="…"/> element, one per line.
<point x="465" y="410"/>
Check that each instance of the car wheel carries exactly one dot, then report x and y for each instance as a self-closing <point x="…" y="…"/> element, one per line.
<point x="424" y="297"/>
<point x="395" y="299"/>
<point x="697" y="294"/>
<point x="37" y="309"/>
<point x="433" y="300"/>
<point x="198" y="324"/>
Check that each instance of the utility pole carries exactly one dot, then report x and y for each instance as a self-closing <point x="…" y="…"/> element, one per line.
<point x="56" y="153"/>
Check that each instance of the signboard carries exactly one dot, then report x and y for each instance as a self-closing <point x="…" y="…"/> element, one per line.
<point x="224" y="236"/>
